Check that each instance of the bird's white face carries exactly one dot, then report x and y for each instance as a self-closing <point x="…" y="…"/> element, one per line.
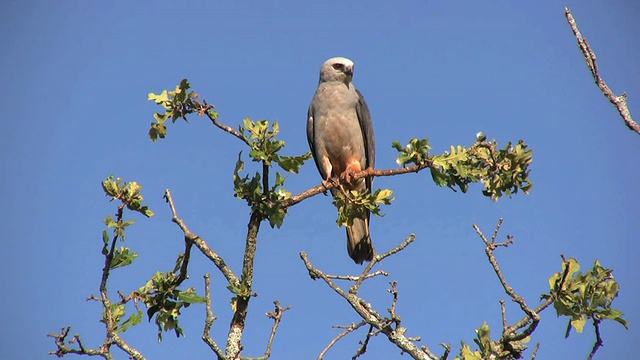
<point x="337" y="69"/>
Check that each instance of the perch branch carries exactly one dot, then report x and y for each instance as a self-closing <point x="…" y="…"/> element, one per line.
<point x="356" y="175"/>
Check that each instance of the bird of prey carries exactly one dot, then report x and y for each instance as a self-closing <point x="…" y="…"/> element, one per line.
<point x="340" y="135"/>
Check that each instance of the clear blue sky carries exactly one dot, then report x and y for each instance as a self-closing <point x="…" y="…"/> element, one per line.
<point x="75" y="81"/>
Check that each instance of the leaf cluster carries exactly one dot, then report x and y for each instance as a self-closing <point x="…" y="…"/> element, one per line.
<point x="501" y="171"/>
<point x="118" y="313"/>
<point x="160" y="294"/>
<point x="265" y="147"/>
<point x="128" y="193"/>
<point x="355" y="204"/>
<point x="488" y="349"/>
<point x="164" y="300"/>
<point x="177" y="105"/>
<point x="583" y="296"/>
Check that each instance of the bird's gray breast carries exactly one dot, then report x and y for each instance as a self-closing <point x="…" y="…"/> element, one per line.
<point x="337" y="132"/>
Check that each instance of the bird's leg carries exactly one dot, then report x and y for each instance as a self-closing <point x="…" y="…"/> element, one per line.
<point x="329" y="181"/>
<point x="353" y="166"/>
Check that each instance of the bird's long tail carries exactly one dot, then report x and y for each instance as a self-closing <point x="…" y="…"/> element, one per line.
<point x="359" y="242"/>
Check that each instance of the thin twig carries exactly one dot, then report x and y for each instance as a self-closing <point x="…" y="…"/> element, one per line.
<point x="620" y="102"/>
<point x="394" y="292"/>
<point x="496" y="268"/>
<point x="276" y="315"/>
<point x="208" y="322"/>
<point x="495" y="232"/>
<point x="447" y="350"/>
<point x="598" y="343"/>
<point x="363" y="348"/>
<point x="222" y="126"/>
<point x="63" y="349"/>
<point x="350" y="328"/>
<point x="378" y="258"/>
<point x="503" y="311"/>
<point x="368" y="314"/>
<point x="535" y="352"/>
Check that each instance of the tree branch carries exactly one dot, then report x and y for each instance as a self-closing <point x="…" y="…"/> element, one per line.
<point x="363" y="348"/>
<point x="208" y="322"/>
<point x="356" y="175"/>
<point x="63" y="349"/>
<point x="276" y="315"/>
<point x="236" y="328"/>
<point x="598" y="343"/>
<point x="490" y="246"/>
<point x="356" y="278"/>
<point x="205" y="108"/>
<point x="200" y="243"/>
<point x="395" y="334"/>
<point x="348" y="329"/>
<point x="620" y="102"/>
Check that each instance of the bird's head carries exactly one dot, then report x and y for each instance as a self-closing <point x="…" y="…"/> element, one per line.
<point x="337" y="69"/>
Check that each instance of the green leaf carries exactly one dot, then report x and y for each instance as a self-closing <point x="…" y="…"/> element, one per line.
<point x="191" y="297"/>
<point x="484" y="339"/>
<point x="468" y="354"/>
<point x="579" y="323"/>
<point x="157" y="130"/>
<point x="292" y="164"/>
<point x="122" y="257"/>
<point x="162" y="97"/>
<point x="128" y="223"/>
<point x="105" y="241"/>
<point x="234" y="303"/>
<point x="134" y="319"/>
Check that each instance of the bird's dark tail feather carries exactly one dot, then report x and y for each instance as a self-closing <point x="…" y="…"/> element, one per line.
<point x="359" y="242"/>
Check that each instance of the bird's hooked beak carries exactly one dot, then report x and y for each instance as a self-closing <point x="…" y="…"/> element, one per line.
<point x="348" y="71"/>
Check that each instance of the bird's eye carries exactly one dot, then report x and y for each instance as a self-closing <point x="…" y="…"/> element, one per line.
<point x="338" y="66"/>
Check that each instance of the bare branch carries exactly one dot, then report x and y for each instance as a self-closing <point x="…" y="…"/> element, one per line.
<point x="620" y="102"/>
<point x="63" y="349"/>
<point x="490" y="246"/>
<point x="208" y="322"/>
<point x="348" y="329"/>
<point x="356" y="278"/>
<point x="200" y="243"/>
<point x="381" y="324"/>
<point x="133" y="353"/>
<point x="363" y="348"/>
<point x="276" y="315"/>
<point x="598" y="343"/>
<point x="377" y="259"/>
<point x="503" y="311"/>
<point x="392" y="311"/>
<point x="204" y="108"/>
<point x="535" y="352"/>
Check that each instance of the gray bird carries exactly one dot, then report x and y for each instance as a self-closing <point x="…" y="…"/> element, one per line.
<point x="340" y="135"/>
